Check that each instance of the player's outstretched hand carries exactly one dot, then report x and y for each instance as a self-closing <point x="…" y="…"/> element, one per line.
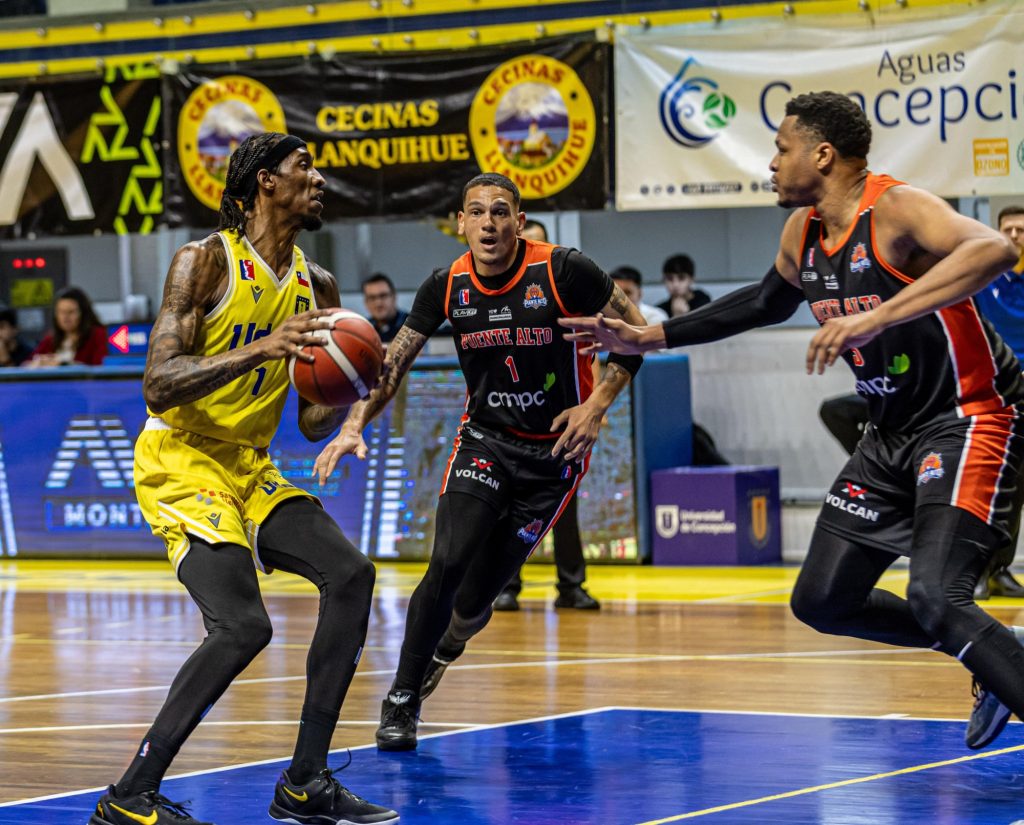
<point x="836" y="336"/>
<point x="344" y="443"/>
<point x="581" y="428"/>
<point x="602" y="334"/>
<point x="295" y="333"/>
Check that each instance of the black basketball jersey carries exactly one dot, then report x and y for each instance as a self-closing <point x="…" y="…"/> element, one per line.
<point x="951" y="362"/>
<point x="520" y="372"/>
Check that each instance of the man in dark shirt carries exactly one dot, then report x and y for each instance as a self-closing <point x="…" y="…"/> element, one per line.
<point x="888" y="271"/>
<point x="381" y="302"/>
<point x="678" y="274"/>
<point x="532" y="417"/>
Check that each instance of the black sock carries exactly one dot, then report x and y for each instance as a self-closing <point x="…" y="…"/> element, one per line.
<point x="151" y="761"/>
<point x="316" y="727"/>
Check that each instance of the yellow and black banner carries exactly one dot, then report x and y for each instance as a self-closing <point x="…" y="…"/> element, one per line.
<point x="398" y="136"/>
<point x="82" y="154"/>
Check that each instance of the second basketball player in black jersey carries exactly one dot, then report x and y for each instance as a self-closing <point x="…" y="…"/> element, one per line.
<point x="888" y="271"/>
<point x="532" y="416"/>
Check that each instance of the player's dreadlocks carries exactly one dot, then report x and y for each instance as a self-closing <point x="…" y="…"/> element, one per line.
<point x="262" y="151"/>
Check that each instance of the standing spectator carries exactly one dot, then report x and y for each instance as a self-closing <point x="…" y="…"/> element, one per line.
<point x="570" y="566"/>
<point x="678" y="274"/>
<point x="630" y="281"/>
<point x="13" y="351"/>
<point x="76" y="335"/>
<point x="1002" y="303"/>
<point x="381" y="302"/>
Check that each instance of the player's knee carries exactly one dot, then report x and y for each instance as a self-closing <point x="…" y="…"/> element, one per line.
<point x="930" y="605"/>
<point x="248" y="633"/>
<point x="812" y="606"/>
<point x="356" y="579"/>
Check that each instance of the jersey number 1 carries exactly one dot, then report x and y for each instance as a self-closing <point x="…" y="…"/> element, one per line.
<point x="511" y="364"/>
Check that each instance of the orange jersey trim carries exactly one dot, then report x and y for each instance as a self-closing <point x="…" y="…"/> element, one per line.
<point x="536" y="252"/>
<point x="983" y="464"/>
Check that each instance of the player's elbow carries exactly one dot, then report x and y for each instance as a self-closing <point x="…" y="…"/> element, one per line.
<point x="157" y="398"/>
<point x="1008" y="252"/>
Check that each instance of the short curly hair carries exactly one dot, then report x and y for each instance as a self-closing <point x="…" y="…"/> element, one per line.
<point x="835" y="119"/>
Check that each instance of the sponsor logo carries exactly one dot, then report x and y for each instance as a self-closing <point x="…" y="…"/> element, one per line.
<point x="671" y="520"/>
<point x="503" y="314"/>
<point x="144" y="750"/>
<point x="931" y="467"/>
<point x="522" y="400"/>
<point x="257" y="293"/>
<point x="464" y="313"/>
<point x="859" y="260"/>
<point x="900" y="364"/>
<point x="472" y="433"/>
<point x="810" y="257"/>
<point x="483" y="465"/>
<point x="549" y="381"/>
<point x="693" y="110"/>
<point x="567" y="472"/>
<point x="875" y="386"/>
<point x="858" y="510"/>
<point x="809" y="276"/>
<point x="991" y="158"/>
<point x="534" y="298"/>
<point x="214" y="520"/>
<point x="301" y="278"/>
<point x="530" y="533"/>
<point x="830" y="280"/>
<point x="855" y="490"/>
<point x="298" y="797"/>
<point x="463" y="297"/>
<point x="218" y="116"/>
<point x="759" y="522"/>
<point x="247" y="270"/>
<point x="533" y="121"/>
<point x="489" y="480"/>
<point x="149" y="819"/>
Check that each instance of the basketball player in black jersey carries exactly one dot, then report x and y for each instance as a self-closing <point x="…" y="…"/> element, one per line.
<point x="532" y="416"/>
<point x="888" y="271"/>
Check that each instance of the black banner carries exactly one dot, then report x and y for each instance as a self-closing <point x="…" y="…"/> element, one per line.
<point x="81" y="154"/>
<point x="399" y="135"/>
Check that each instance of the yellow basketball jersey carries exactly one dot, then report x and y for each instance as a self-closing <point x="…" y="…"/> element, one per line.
<point x="248" y="410"/>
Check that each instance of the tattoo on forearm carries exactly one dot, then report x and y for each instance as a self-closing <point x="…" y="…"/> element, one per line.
<point x="615" y="376"/>
<point x="402" y="351"/>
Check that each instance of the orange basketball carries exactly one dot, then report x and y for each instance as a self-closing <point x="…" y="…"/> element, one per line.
<point x="345" y="368"/>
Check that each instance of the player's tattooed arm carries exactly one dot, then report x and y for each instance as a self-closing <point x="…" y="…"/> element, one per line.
<point x="175" y="373"/>
<point x="619" y="306"/>
<point x="401" y="353"/>
<point x="316" y="421"/>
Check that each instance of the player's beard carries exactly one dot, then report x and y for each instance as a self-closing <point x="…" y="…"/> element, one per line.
<point x="311" y="223"/>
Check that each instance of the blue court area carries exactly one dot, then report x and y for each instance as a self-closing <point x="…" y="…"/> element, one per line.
<point x="645" y="766"/>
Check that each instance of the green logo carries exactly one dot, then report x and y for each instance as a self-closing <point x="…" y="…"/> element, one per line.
<point x="900" y="364"/>
<point x="549" y="381"/>
<point x="718" y="110"/>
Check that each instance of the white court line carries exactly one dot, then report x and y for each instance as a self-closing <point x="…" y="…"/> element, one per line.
<point x="683" y="657"/>
<point x="651" y="659"/>
<point x="224" y="723"/>
<point x="337" y="751"/>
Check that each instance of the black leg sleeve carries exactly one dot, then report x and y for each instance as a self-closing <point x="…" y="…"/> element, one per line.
<point x="569" y="562"/>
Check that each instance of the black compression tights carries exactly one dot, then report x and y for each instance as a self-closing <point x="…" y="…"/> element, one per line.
<point x="475" y="553"/>
<point x="835" y="593"/>
<point x="298" y="537"/>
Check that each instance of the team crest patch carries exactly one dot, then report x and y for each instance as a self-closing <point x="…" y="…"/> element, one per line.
<point x="931" y="468"/>
<point x="530" y="533"/>
<point x="535" y="298"/>
<point x="301" y="304"/>
<point x="859" y="260"/>
<point x="247" y="269"/>
<point x="257" y="293"/>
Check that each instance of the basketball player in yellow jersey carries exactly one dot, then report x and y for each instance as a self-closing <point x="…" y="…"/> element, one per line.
<point x="235" y="306"/>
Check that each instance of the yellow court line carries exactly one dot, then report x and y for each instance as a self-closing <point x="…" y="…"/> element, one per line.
<point x="831" y="785"/>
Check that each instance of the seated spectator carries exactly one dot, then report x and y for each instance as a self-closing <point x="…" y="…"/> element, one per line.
<point x="630" y="281"/>
<point x="76" y="335"/>
<point x="381" y="302"/>
<point x="13" y="351"/>
<point x="678" y="274"/>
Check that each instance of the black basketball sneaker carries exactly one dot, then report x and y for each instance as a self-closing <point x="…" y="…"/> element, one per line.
<point x="399" y="715"/>
<point x="147" y="808"/>
<point x="324" y="801"/>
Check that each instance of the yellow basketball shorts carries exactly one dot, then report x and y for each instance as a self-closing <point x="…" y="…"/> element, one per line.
<point x="191" y="485"/>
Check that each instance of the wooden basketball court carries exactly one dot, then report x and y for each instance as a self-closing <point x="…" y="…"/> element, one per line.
<point x="557" y="716"/>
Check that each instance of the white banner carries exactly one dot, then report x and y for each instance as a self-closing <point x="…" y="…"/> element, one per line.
<point x="697" y="107"/>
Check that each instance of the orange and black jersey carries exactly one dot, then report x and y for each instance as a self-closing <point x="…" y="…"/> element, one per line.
<point x="520" y="372"/>
<point x="948" y="363"/>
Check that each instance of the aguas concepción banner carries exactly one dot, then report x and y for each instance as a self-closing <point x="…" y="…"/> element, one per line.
<point x="698" y="107"/>
<point x="398" y="135"/>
